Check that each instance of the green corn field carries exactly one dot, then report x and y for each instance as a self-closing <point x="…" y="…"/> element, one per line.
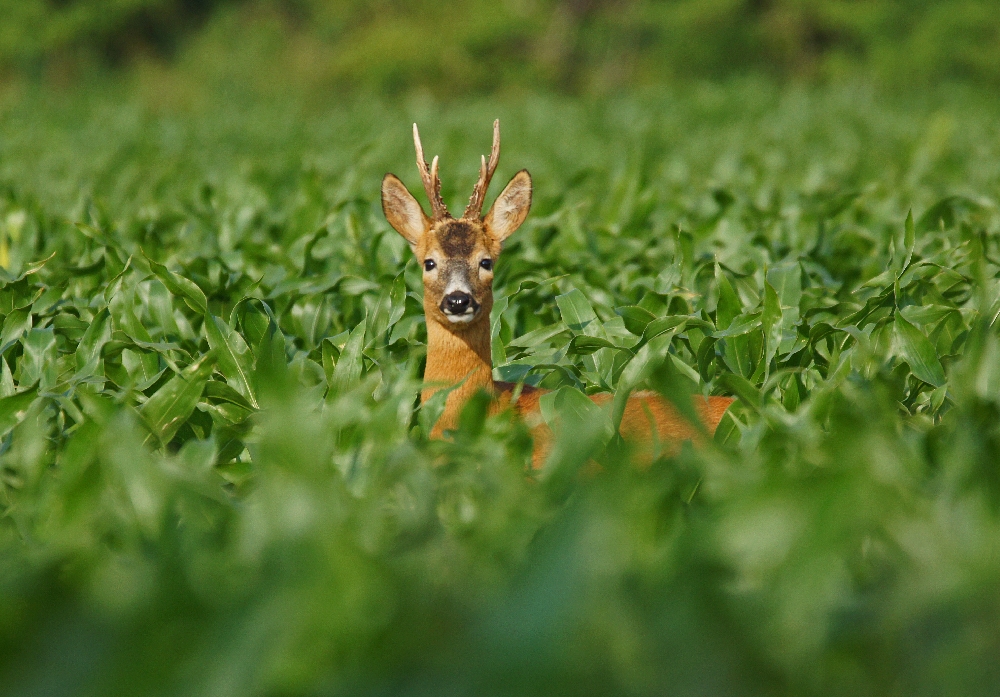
<point x="215" y="476"/>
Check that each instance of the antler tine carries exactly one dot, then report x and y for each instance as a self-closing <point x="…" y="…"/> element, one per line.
<point x="432" y="184"/>
<point x="475" y="207"/>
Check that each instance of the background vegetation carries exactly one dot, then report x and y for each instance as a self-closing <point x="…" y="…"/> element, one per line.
<point x="575" y="46"/>
<point x="214" y="474"/>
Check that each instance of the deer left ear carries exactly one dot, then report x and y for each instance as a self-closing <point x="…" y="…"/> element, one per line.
<point x="511" y="207"/>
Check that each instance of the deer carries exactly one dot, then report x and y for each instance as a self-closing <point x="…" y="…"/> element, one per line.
<point x="458" y="256"/>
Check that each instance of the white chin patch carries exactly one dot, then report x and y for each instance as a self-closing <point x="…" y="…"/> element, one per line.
<point x="461" y="319"/>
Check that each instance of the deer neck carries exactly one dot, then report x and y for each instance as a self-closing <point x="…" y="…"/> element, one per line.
<point x="455" y="354"/>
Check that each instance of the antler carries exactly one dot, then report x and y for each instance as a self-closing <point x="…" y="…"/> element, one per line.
<point x="432" y="185"/>
<point x="475" y="207"/>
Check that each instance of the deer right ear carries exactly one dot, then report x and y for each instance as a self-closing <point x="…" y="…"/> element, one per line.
<point x="402" y="210"/>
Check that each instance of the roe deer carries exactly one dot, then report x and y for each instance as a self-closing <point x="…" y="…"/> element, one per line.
<point x="458" y="257"/>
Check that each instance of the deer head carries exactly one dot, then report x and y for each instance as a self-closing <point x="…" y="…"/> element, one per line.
<point x="457" y="255"/>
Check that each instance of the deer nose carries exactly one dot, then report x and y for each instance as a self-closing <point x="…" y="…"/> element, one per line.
<point x="457" y="303"/>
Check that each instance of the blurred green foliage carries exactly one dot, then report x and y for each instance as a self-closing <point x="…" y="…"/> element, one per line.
<point x="214" y="477"/>
<point x="477" y="46"/>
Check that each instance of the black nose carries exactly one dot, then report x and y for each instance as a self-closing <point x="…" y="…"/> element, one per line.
<point x="457" y="303"/>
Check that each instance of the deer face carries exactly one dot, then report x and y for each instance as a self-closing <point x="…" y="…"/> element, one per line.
<point x="457" y="255"/>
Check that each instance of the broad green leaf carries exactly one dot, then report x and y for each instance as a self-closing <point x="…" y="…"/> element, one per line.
<point x="739" y="351"/>
<point x="184" y="288"/>
<point x="883" y="280"/>
<point x="728" y="432"/>
<point x="214" y="389"/>
<point x="271" y="367"/>
<point x="15" y="325"/>
<point x="771" y="324"/>
<point x="319" y="285"/>
<point x="729" y="306"/>
<point x="664" y="325"/>
<point x="742" y="388"/>
<point x="577" y="312"/>
<point x="330" y="355"/>
<point x="142" y="364"/>
<point x="38" y="361"/>
<point x="310" y="264"/>
<point x="512" y="372"/>
<point x="637" y="370"/>
<point x="432" y="409"/>
<point x="743" y="324"/>
<point x="88" y="351"/>
<point x="922" y="315"/>
<point x="786" y="279"/>
<point x="253" y="317"/>
<point x="580" y="428"/>
<point x="917" y="351"/>
<point x="538" y="337"/>
<point x="7" y="386"/>
<point x="497" y="352"/>
<point x="233" y="357"/>
<point x="472" y="418"/>
<point x="791" y="396"/>
<point x="397" y="300"/>
<point x="167" y="410"/>
<point x="313" y="315"/>
<point x="226" y="414"/>
<point x="378" y="321"/>
<point x="676" y="387"/>
<point x="27" y="270"/>
<point x="44" y="303"/>
<point x="18" y="295"/>
<point x="14" y="408"/>
<point x="198" y="456"/>
<point x="706" y="356"/>
<point x="160" y="307"/>
<point x="69" y="327"/>
<point x="530" y="284"/>
<point x="636" y="318"/>
<point x="583" y="345"/>
<point x="353" y="285"/>
<point x="685" y="370"/>
<point x="347" y="372"/>
<point x="123" y="311"/>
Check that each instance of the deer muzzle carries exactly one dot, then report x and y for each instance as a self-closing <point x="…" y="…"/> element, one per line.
<point x="458" y="306"/>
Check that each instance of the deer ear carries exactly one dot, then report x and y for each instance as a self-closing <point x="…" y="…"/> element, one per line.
<point x="402" y="210"/>
<point x="511" y="207"/>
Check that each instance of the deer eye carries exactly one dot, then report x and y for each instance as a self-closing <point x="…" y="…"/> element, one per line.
<point x="486" y="264"/>
<point x="429" y="265"/>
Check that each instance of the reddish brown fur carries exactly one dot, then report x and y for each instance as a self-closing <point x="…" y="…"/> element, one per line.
<point x="459" y="351"/>
<point x="643" y="410"/>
